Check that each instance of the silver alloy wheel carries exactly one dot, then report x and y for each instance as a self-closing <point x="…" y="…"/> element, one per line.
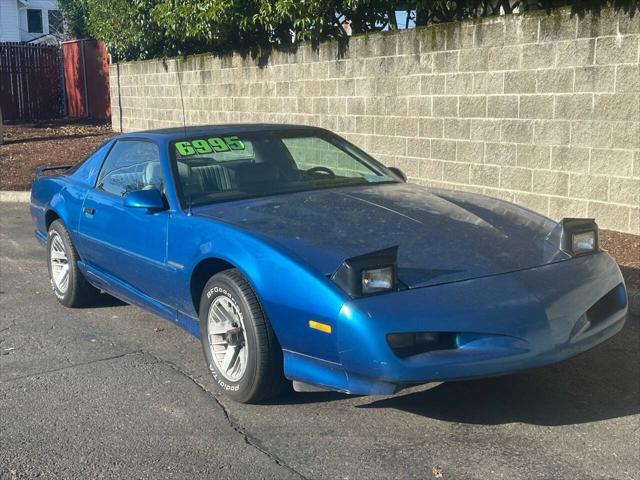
<point x="59" y="263"/>
<point x="227" y="340"/>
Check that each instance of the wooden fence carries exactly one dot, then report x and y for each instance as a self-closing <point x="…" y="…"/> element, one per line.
<point x="31" y="82"/>
<point x="86" y="73"/>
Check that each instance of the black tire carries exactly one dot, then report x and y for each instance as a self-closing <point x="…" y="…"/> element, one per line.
<point x="263" y="377"/>
<point x="79" y="291"/>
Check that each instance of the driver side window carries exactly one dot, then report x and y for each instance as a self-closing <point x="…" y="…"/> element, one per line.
<point x="131" y="165"/>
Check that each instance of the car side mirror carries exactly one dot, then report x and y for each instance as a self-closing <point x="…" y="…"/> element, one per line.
<point x="150" y="199"/>
<point x="399" y="173"/>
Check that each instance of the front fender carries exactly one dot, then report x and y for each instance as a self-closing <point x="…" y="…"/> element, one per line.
<point x="290" y="292"/>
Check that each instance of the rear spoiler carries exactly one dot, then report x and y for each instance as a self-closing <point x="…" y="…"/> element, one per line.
<point x="41" y="170"/>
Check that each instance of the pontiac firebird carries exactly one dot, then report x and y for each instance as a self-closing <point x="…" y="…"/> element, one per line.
<point x="295" y="256"/>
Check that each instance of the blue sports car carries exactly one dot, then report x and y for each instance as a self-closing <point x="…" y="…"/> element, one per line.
<point x="295" y="256"/>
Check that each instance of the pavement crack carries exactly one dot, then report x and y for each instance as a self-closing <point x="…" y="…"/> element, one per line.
<point x="74" y="365"/>
<point x="233" y="423"/>
<point x="6" y="329"/>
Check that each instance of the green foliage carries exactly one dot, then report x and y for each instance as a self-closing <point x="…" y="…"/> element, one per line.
<point x="210" y="25"/>
<point x="75" y="14"/>
<point x="137" y="29"/>
<point x="129" y="28"/>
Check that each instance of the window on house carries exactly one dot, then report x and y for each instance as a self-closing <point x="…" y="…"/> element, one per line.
<point x="34" y="20"/>
<point x="56" y="26"/>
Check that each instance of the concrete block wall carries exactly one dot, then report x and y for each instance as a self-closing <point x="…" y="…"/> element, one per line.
<point x="540" y="110"/>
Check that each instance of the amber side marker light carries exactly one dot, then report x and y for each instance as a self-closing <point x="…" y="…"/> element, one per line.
<point x="323" y="327"/>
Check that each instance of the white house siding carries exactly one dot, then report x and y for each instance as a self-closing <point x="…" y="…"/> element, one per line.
<point x="45" y="6"/>
<point x="9" y="21"/>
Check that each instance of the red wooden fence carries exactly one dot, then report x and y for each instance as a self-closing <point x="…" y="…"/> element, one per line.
<point x="31" y="83"/>
<point x="86" y="70"/>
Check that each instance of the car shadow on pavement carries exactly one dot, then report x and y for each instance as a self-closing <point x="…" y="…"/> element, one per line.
<point x="296" y="398"/>
<point x="601" y="384"/>
<point x="106" y="301"/>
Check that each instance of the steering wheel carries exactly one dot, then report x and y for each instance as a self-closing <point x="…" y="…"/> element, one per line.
<point x="323" y="170"/>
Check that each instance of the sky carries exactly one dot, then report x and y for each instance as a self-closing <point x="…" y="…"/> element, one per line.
<point x="401" y="17"/>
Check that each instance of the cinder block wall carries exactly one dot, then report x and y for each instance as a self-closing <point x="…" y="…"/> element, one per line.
<point x="540" y="110"/>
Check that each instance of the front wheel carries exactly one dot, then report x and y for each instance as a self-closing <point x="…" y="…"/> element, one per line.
<point x="239" y="344"/>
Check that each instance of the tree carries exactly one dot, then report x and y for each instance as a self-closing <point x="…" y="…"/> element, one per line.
<point x="211" y="25"/>
<point x="137" y="29"/>
<point x="127" y="27"/>
<point x="75" y="17"/>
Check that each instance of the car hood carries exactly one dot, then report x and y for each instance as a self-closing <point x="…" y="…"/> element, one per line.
<point x="442" y="236"/>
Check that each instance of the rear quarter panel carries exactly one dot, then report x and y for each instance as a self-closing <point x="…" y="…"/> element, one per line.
<point x="64" y="193"/>
<point x="59" y="195"/>
<point x="43" y="192"/>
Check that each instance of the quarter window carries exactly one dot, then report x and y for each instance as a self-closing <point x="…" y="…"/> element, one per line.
<point x="34" y="20"/>
<point x="131" y="165"/>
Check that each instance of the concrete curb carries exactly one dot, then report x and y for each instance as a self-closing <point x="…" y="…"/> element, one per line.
<point x="9" y="196"/>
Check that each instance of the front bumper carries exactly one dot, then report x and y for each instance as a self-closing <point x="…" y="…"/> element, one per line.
<point x="504" y="323"/>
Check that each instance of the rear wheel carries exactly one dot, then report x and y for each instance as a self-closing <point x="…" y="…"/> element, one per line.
<point x="239" y="344"/>
<point x="68" y="284"/>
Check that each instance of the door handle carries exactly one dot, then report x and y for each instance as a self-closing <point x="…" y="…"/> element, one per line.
<point x="89" y="211"/>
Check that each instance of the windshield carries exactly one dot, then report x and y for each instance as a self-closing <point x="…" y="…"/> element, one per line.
<point x="213" y="168"/>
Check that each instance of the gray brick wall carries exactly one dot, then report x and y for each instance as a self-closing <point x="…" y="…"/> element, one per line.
<point x="540" y="110"/>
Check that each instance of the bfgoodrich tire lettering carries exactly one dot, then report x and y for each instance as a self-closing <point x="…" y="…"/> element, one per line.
<point x="72" y="289"/>
<point x="238" y="322"/>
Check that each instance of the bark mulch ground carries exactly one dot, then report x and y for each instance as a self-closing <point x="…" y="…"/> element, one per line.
<point x="54" y="142"/>
<point x="63" y="142"/>
<point x="625" y="248"/>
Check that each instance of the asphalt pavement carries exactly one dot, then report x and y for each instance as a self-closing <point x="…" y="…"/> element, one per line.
<point x="114" y="392"/>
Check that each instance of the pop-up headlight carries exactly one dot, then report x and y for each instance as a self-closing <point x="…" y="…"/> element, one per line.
<point x="377" y="280"/>
<point x="579" y="236"/>
<point x="374" y="272"/>
<point x="583" y="242"/>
